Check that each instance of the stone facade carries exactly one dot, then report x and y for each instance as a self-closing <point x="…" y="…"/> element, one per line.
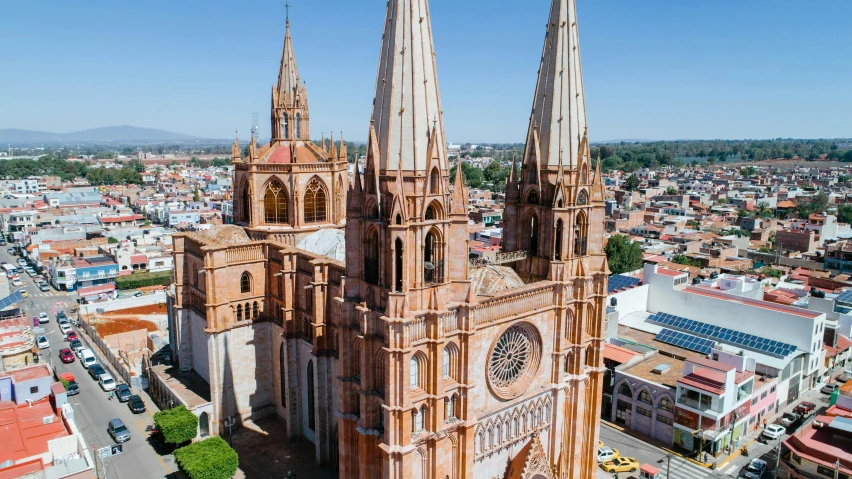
<point x="394" y="363"/>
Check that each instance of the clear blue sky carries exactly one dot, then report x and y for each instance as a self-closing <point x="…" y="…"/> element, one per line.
<point x="654" y="69"/>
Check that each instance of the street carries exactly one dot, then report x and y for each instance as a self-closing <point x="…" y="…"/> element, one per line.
<point x="92" y="407"/>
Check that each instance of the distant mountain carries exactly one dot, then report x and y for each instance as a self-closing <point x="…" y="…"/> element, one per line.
<point x="122" y="133"/>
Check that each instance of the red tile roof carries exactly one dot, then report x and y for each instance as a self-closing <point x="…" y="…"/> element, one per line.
<point x="618" y="354"/>
<point x="23" y="432"/>
<point x="97" y="289"/>
<point x="703" y="379"/>
<point x="743" y="376"/>
<point x="668" y="272"/>
<point x="843" y="343"/>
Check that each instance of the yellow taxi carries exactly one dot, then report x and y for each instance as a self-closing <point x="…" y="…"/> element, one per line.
<point x="621" y="464"/>
<point x="24" y="293"/>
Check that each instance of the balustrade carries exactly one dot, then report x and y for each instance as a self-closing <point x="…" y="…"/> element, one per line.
<point x="450" y="321"/>
<point x="415" y="330"/>
<point x="511" y="305"/>
<point x="245" y="253"/>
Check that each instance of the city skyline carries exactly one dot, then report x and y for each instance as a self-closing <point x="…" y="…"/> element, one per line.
<point x="653" y="71"/>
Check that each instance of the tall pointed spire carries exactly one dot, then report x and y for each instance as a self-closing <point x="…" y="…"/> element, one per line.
<point x="559" y="106"/>
<point x="459" y="206"/>
<point x="236" y="154"/>
<point x="407" y="96"/>
<point x="288" y="73"/>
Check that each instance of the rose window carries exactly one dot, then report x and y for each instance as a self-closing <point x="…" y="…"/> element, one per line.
<point x="514" y="360"/>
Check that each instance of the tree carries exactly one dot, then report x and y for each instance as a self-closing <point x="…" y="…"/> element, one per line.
<point x="196" y="195"/>
<point x="112" y="240"/>
<point x="211" y="458"/>
<point x="844" y="213"/>
<point x="816" y="204"/>
<point x="472" y="176"/>
<point x="632" y="183"/>
<point x="748" y="171"/>
<point x="177" y="425"/>
<point x="622" y="254"/>
<point x="671" y="190"/>
<point x="686" y="260"/>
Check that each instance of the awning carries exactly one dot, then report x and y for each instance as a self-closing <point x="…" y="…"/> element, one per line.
<point x="96" y="290"/>
<point x="617" y="354"/>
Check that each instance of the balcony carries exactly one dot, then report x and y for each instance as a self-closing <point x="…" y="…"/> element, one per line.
<point x="703" y="406"/>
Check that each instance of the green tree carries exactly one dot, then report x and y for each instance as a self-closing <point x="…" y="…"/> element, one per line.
<point x="816" y="204"/>
<point x="177" y="425"/>
<point x="632" y="183"/>
<point x="112" y="240"/>
<point x="196" y="195"/>
<point x="748" y="171"/>
<point x="686" y="260"/>
<point x="472" y="176"/>
<point x="844" y="213"/>
<point x="211" y="458"/>
<point x="671" y="190"/>
<point x="622" y="254"/>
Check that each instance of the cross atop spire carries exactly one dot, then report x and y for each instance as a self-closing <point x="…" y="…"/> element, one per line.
<point x="287" y="7"/>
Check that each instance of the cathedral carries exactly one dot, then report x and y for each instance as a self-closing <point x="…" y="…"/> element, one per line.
<point x="343" y="302"/>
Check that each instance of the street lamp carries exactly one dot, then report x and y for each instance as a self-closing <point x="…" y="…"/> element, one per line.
<point x="230" y="421"/>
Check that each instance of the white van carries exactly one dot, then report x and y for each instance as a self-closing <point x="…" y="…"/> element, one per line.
<point x="87" y="358"/>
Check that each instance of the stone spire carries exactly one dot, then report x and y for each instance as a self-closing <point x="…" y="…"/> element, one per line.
<point x="559" y="106"/>
<point x="288" y="73"/>
<point x="407" y="102"/>
<point x="236" y="154"/>
<point x="459" y="205"/>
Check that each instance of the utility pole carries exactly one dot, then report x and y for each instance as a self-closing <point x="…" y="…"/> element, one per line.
<point x="836" y="468"/>
<point x="668" y="466"/>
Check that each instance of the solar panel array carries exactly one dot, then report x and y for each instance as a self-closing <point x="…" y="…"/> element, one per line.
<point x="11" y="299"/>
<point x="618" y="281"/>
<point x="748" y="341"/>
<point x="844" y="297"/>
<point x="686" y="341"/>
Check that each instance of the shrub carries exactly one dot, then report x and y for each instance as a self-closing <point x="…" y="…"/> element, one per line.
<point x="177" y="425"/>
<point x="138" y="280"/>
<point x="211" y="458"/>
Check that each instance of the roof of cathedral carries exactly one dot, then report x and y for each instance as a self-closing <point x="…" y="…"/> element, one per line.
<point x="492" y="279"/>
<point x="223" y="235"/>
<point x="327" y="242"/>
<point x="301" y="152"/>
<point x="407" y="104"/>
<point x="559" y="106"/>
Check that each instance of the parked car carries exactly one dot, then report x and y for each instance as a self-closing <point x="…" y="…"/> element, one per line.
<point x="774" y="431"/>
<point x="65" y="328"/>
<point x="60" y="316"/>
<point x="11" y="250"/>
<point x="68" y="376"/>
<point x="72" y="389"/>
<point x="24" y="293"/>
<point x="107" y="382"/>
<point x="95" y="371"/>
<point x="43" y="318"/>
<point x="136" y="405"/>
<point x="87" y="358"/>
<point x="788" y="419"/>
<point x="118" y="431"/>
<point x="44" y="287"/>
<point x="805" y="408"/>
<point x="123" y="392"/>
<point x="22" y="261"/>
<point x="607" y="454"/>
<point x="43" y="342"/>
<point x="621" y="464"/>
<point x="829" y="388"/>
<point x="845" y="376"/>
<point x="66" y="356"/>
<point x="755" y="469"/>
<point x="76" y="345"/>
<point x="71" y="335"/>
<point x="17" y="282"/>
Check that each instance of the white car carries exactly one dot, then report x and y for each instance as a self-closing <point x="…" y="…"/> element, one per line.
<point x="65" y="328"/>
<point x="107" y="382"/>
<point x="774" y="431"/>
<point x="17" y="282"/>
<point x="43" y="342"/>
<point x="43" y="318"/>
<point x="607" y="453"/>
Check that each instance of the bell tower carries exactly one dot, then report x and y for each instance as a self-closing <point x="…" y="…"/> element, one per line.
<point x="407" y="243"/>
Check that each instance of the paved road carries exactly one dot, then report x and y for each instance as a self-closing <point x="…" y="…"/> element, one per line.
<point x="93" y="410"/>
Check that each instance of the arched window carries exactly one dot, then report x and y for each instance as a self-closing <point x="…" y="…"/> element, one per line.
<point x="645" y="396"/>
<point x="298" y="126"/>
<point x="380" y="371"/>
<point x="557" y="250"/>
<point x="414" y="373"/>
<point x="421" y="419"/>
<point x="480" y="442"/>
<point x="398" y="265"/>
<point x="434" y="182"/>
<point x="284" y="126"/>
<point x="431" y="213"/>
<point x="275" y="203"/>
<point x="245" y="208"/>
<point x="282" y="376"/>
<point x="530" y="236"/>
<point x="451" y="354"/>
<point x="433" y="271"/>
<point x="398" y="219"/>
<point x="666" y="405"/>
<point x="254" y="310"/>
<point x="371" y="257"/>
<point x="581" y="231"/>
<point x="311" y="412"/>
<point x="451" y="407"/>
<point x="315" y="202"/>
<point x="245" y="283"/>
<point x="625" y="390"/>
<point x="239" y="312"/>
<point x="532" y="198"/>
<point x="446" y="362"/>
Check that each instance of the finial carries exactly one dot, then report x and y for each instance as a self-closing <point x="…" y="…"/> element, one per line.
<point x="287" y="7"/>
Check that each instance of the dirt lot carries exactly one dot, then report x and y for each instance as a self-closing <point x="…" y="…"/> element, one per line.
<point x="142" y="317"/>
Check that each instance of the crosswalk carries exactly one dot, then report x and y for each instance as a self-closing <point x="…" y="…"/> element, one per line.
<point x="682" y="469"/>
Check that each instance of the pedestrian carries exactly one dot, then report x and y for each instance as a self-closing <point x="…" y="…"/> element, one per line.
<point x="32" y="304"/>
<point x="764" y="424"/>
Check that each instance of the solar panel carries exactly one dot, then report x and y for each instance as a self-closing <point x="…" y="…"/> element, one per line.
<point x="844" y="297"/>
<point x="686" y="341"/>
<point x="11" y="299"/>
<point x="704" y="330"/>
<point x="619" y="282"/>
